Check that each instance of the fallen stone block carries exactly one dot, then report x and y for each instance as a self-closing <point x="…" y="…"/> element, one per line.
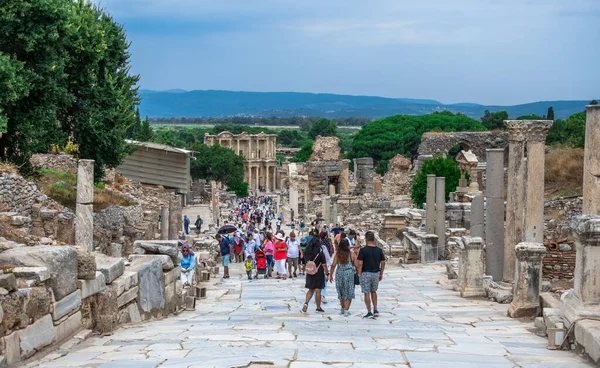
<point x="36" y="336"/>
<point x="166" y="247"/>
<point x="92" y="287"/>
<point x="116" y="250"/>
<point x="134" y="313"/>
<point x="111" y="267"/>
<point x="20" y="220"/>
<point x="125" y="282"/>
<point x="8" y="281"/>
<point x="127" y="296"/>
<point x="86" y="264"/>
<point x="38" y="302"/>
<point x="587" y="334"/>
<point x="201" y="292"/>
<point x="69" y="327"/>
<point x="31" y="276"/>
<point x="171" y="276"/>
<point x="167" y="262"/>
<point x="12" y="348"/>
<point x="151" y="283"/>
<point x="60" y="261"/>
<point x="190" y="303"/>
<point x="66" y="305"/>
<point x="105" y="313"/>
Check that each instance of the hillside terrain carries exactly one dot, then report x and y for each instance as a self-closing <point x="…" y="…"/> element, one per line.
<point x="211" y="103"/>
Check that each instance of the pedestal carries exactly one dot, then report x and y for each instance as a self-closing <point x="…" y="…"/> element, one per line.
<point x="470" y="267"/>
<point x="429" y="248"/>
<point x="526" y="292"/>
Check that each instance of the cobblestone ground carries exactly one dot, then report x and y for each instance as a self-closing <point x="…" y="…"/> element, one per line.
<point x="258" y="322"/>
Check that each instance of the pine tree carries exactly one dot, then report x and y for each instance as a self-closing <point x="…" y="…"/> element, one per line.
<point x="133" y="130"/>
<point x="550" y="115"/>
<point x="146" y="133"/>
<point x="593" y="102"/>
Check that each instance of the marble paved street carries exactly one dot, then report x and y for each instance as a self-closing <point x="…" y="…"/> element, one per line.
<point x="258" y="323"/>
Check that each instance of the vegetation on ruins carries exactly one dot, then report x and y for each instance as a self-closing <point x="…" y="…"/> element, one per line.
<point x="401" y="134"/>
<point x="440" y="166"/>
<point x="219" y="164"/>
<point x="323" y="128"/>
<point x="304" y="154"/>
<point x="65" y="73"/>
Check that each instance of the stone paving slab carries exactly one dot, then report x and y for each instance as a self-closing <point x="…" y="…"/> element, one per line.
<point x="257" y="324"/>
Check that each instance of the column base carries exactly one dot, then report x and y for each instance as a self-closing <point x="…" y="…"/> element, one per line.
<point x="574" y="309"/>
<point x="469" y="292"/>
<point x="518" y="311"/>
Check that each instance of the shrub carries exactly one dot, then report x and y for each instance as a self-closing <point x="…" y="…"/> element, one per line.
<point x="440" y="166"/>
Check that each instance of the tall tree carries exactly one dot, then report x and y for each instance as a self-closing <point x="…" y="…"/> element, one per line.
<point x="550" y="114"/>
<point x="494" y="120"/>
<point x="146" y="133"/>
<point x="593" y="102"/>
<point x="324" y="128"/>
<point x="219" y="164"/>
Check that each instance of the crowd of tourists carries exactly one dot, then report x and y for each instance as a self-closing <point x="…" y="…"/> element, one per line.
<point x="323" y="254"/>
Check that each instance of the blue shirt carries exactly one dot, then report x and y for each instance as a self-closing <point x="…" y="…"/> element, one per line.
<point x="187" y="262"/>
<point x="224" y="244"/>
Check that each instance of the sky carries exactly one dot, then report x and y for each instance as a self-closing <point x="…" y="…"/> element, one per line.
<point x="495" y="52"/>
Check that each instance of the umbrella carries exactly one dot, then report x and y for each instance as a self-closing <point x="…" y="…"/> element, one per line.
<point x="227" y="229"/>
<point x="319" y="219"/>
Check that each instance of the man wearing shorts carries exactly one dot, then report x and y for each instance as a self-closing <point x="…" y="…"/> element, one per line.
<point x="226" y="251"/>
<point x="371" y="263"/>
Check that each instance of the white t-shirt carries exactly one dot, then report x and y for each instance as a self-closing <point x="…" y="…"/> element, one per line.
<point x="293" y="248"/>
<point x="327" y="255"/>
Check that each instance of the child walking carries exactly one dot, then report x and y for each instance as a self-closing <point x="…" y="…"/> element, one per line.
<point x="248" y="265"/>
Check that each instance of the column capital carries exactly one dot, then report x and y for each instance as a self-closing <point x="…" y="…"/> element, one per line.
<point x="527" y="251"/>
<point x="538" y="129"/>
<point x="587" y="229"/>
<point x="516" y="130"/>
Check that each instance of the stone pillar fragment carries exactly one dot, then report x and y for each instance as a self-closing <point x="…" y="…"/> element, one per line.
<point x="534" y="205"/>
<point x="526" y="290"/>
<point x="591" y="162"/>
<point x="84" y="209"/>
<point x="164" y="223"/>
<point x="471" y="267"/>
<point x="430" y="203"/>
<point x="174" y="214"/>
<point x="584" y="301"/>
<point x="515" y="201"/>
<point x="429" y="248"/>
<point x="327" y="210"/>
<point x="440" y="213"/>
<point x="494" y="213"/>
<point x="477" y="217"/>
<point x="335" y="210"/>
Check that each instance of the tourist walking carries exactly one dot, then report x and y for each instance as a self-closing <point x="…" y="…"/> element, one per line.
<point x="269" y="249"/>
<point x="186" y="225"/>
<point x="327" y="251"/>
<point x="316" y="273"/>
<point x="294" y="253"/>
<point x="342" y="267"/>
<point x="280" y="256"/>
<point x="198" y="224"/>
<point x="226" y="250"/>
<point x="187" y="264"/>
<point x="370" y="266"/>
<point x="250" y="248"/>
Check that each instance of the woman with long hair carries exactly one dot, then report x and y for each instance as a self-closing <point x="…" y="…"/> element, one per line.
<point x="269" y="248"/>
<point x="314" y="283"/>
<point x="343" y="266"/>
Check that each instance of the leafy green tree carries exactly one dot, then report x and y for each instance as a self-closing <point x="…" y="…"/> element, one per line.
<point x="219" y="164"/>
<point x="304" y="154"/>
<point x="556" y="134"/>
<point x="550" y="114"/>
<point x="13" y="86"/>
<point x="593" y="102"/>
<point x="440" y="166"/>
<point x="494" y="120"/>
<point x="324" y="128"/>
<point x="134" y="129"/>
<point x="291" y="138"/>
<point x="575" y="130"/>
<point x="401" y="134"/>
<point x="305" y="125"/>
<point x="146" y="133"/>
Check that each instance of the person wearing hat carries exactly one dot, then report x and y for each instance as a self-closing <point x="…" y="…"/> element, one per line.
<point x="281" y="248"/>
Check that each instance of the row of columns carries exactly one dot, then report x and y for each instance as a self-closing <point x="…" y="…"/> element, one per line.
<point x="256" y="172"/>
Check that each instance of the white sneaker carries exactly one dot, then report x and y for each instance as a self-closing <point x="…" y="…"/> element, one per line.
<point x="346" y="313"/>
<point x="323" y="300"/>
<point x="342" y="311"/>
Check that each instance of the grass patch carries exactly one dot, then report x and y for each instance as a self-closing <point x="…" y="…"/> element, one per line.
<point x="62" y="187"/>
<point x="564" y="171"/>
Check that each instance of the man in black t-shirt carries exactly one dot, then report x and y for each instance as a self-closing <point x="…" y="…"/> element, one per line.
<point x="370" y="266"/>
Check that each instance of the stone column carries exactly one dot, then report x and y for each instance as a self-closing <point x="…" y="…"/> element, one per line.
<point x="471" y="267"/>
<point x="249" y="177"/>
<point x="440" y="213"/>
<point x="274" y="187"/>
<point x="238" y="147"/>
<point x="534" y="205"/>
<point x="84" y="209"/>
<point x="164" y="223"/>
<point x="326" y="210"/>
<point x="174" y="214"/>
<point x="474" y="186"/>
<point x="430" y="203"/>
<point x="585" y="299"/>
<point x="477" y="217"/>
<point x="250" y="155"/>
<point x="528" y="282"/>
<point x="515" y="201"/>
<point x="429" y="248"/>
<point x="494" y="213"/>
<point x="267" y="181"/>
<point x="335" y="210"/>
<point x="591" y="162"/>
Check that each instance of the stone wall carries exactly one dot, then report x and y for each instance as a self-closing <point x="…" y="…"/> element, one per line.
<point x="63" y="162"/>
<point x="364" y="176"/>
<point x="439" y="143"/>
<point x="397" y="180"/>
<point x="559" y="263"/>
<point x="320" y="173"/>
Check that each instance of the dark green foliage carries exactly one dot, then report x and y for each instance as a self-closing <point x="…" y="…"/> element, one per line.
<point x="440" y="166"/>
<point x="383" y="139"/>
<point x="305" y="125"/>
<point x="550" y="114"/>
<point x="593" y="102"/>
<point x="291" y="138"/>
<point x="304" y="154"/>
<point x="494" y="120"/>
<point x="569" y="132"/>
<point x="324" y="128"/>
<point x="146" y="132"/>
<point x="530" y="117"/>
<point x="69" y="64"/>
<point x="219" y="164"/>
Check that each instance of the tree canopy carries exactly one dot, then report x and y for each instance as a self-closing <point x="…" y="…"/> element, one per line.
<point x="219" y="164"/>
<point x="401" y="134"/>
<point x="494" y="120"/>
<point x="66" y="75"/>
<point x="324" y="128"/>
<point x="439" y="166"/>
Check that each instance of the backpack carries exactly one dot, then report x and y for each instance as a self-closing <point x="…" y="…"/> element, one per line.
<point x="311" y="267"/>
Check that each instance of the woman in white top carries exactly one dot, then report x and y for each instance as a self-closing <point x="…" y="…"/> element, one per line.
<point x="294" y="253"/>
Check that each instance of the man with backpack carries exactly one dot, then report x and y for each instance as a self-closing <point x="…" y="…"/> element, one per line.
<point x="198" y="224"/>
<point x="370" y="266"/>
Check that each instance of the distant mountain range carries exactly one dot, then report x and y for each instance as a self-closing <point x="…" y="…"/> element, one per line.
<point x="210" y="103"/>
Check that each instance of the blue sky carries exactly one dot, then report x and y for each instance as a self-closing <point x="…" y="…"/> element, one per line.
<point x="483" y="51"/>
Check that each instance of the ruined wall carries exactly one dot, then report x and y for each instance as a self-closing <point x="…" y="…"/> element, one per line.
<point x="439" y="143"/>
<point x="63" y="162"/>
<point x="397" y="180"/>
<point x="559" y="263"/>
<point x="321" y="172"/>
